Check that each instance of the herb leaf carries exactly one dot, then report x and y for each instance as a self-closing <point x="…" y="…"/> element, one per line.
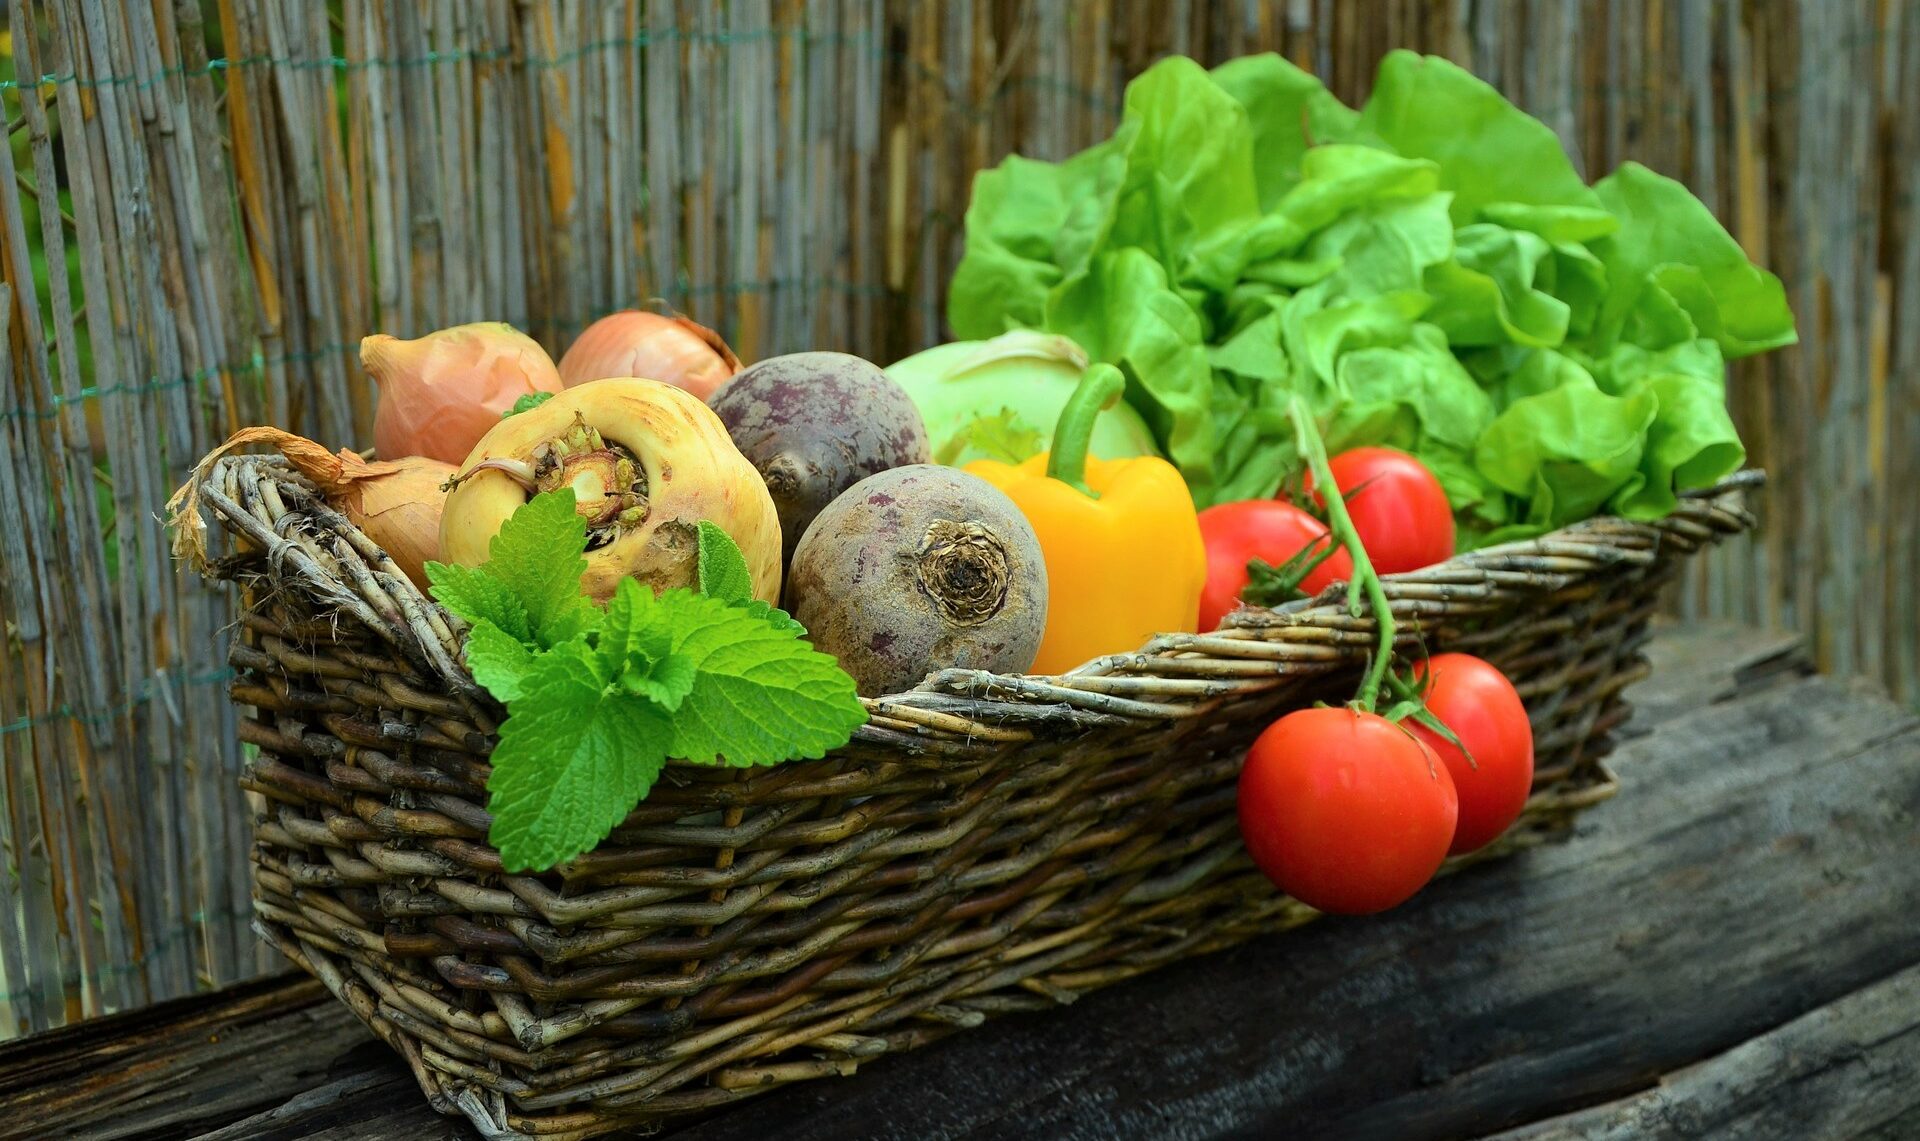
<point x="529" y="401"/>
<point x="480" y="597"/>
<point x="539" y="555"/>
<point x="761" y="695"/>
<point x="999" y="436"/>
<point x="723" y="569"/>
<point x="597" y="701"/>
<point x="499" y="660"/>
<point x="777" y="618"/>
<point x="572" y="761"/>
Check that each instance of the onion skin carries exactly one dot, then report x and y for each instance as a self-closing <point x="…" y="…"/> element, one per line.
<point x="692" y="471"/>
<point x="440" y="393"/>
<point x="401" y="511"/>
<point x="636" y="343"/>
<point x="397" y="503"/>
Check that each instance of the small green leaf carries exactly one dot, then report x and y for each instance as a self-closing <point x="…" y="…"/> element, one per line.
<point x="498" y="660"/>
<point x="665" y="682"/>
<point x="538" y="556"/>
<point x="529" y="401"/>
<point x="761" y="695"/>
<point x="777" y="618"/>
<point x="723" y="569"/>
<point x="479" y="598"/>
<point x="1000" y="435"/>
<point x="572" y="761"/>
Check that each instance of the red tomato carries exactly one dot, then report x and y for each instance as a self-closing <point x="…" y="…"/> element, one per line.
<point x="1266" y="529"/>
<point x="1345" y="811"/>
<point x="1480" y="705"/>
<point x="1401" y="514"/>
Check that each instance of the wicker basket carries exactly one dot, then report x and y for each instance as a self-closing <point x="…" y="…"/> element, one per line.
<point x="984" y="844"/>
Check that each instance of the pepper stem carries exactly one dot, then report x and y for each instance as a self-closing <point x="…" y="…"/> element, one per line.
<point x="1099" y="390"/>
<point x="1364" y="578"/>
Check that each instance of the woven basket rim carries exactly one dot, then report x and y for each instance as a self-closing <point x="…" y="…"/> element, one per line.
<point x="1171" y="676"/>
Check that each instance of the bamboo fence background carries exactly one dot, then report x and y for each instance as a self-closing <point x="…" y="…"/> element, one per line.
<point x="246" y="187"/>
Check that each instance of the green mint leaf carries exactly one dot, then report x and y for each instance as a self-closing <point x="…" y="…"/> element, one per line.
<point x="761" y="695"/>
<point x="665" y="682"/>
<point x="479" y="598"/>
<point x="530" y="400"/>
<point x="723" y="569"/>
<point x="575" y="755"/>
<point x="632" y="627"/>
<point x="499" y="660"/>
<point x="538" y="556"/>
<point x="777" y="618"/>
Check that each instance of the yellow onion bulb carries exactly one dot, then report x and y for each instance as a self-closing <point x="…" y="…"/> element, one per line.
<point x="397" y="503"/>
<point x="440" y="393"/>
<point x="632" y="343"/>
<point x="646" y="461"/>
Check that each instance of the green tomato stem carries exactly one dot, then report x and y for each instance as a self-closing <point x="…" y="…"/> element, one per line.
<point x="1099" y="390"/>
<point x="1364" y="579"/>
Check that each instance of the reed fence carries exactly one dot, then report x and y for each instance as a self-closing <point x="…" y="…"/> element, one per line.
<point x="206" y="204"/>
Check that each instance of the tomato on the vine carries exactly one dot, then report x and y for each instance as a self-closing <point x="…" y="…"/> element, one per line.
<point x="1345" y="811"/>
<point x="1272" y="531"/>
<point x="1481" y="707"/>
<point x="1399" y="509"/>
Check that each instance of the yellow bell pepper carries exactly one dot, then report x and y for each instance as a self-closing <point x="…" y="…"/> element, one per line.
<point x="1120" y="538"/>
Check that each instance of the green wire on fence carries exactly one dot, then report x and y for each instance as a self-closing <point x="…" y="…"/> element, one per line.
<point x="199" y="921"/>
<point x="66" y="712"/>
<point x="866" y="41"/>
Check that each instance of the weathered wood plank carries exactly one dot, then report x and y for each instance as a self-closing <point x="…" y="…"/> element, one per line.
<point x="1745" y="875"/>
<point x="181" y="1067"/>
<point x="1840" y="1072"/>
<point x="1704" y="662"/>
<point x="377" y="1103"/>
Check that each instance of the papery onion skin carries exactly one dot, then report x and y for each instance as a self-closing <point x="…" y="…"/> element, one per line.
<point x="401" y="512"/>
<point x="440" y="393"/>
<point x="692" y="472"/>
<point x="397" y="503"/>
<point x="636" y="343"/>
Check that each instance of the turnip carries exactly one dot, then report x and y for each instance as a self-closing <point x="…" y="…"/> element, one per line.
<point x="814" y="424"/>
<point x="646" y="461"/>
<point x="919" y="568"/>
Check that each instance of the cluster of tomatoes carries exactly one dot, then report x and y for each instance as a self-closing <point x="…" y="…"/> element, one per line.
<point x="1344" y="808"/>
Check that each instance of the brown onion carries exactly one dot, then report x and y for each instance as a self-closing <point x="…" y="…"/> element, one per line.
<point x="635" y="343"/>
<point x="440" y="393"/>
<point x="397" y="503"/>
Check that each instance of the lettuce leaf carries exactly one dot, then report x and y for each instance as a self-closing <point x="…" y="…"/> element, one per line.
<point x="1429" y="271"/>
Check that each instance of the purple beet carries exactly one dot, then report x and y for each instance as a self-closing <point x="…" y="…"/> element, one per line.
<point x="815" y="424"/>
<point x="918" y="568"/>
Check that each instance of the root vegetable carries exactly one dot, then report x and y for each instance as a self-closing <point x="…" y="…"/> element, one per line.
<point x="814" y="424"/>
<point x="440" y="393"/>
<point x="672" y="350"/>
<point x="646" y="462"/>
<point x="919" y="568"/>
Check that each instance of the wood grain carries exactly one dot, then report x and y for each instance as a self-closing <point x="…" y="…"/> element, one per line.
<point x="1840" y="1072"/>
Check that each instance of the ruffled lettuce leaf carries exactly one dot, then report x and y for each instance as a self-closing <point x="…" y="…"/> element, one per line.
<point x="1430" y="272"/>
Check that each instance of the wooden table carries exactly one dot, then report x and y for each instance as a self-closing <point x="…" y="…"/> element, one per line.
<point x="1731" y="948"/>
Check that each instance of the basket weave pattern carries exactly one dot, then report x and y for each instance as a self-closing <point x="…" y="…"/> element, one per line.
<point x="984" y="844"/>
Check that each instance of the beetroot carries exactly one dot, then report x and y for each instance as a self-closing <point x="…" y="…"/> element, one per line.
<point x="816" y="423"/>
<point x="916" y="569"/>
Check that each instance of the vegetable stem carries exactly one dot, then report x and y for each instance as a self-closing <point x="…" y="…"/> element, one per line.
<point x="1099" y="390"/>
<point x="1364" y="578"/>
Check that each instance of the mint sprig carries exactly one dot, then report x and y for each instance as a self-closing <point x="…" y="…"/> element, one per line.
<point x="527" y="403"/>
<point x="599" y="700"/>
